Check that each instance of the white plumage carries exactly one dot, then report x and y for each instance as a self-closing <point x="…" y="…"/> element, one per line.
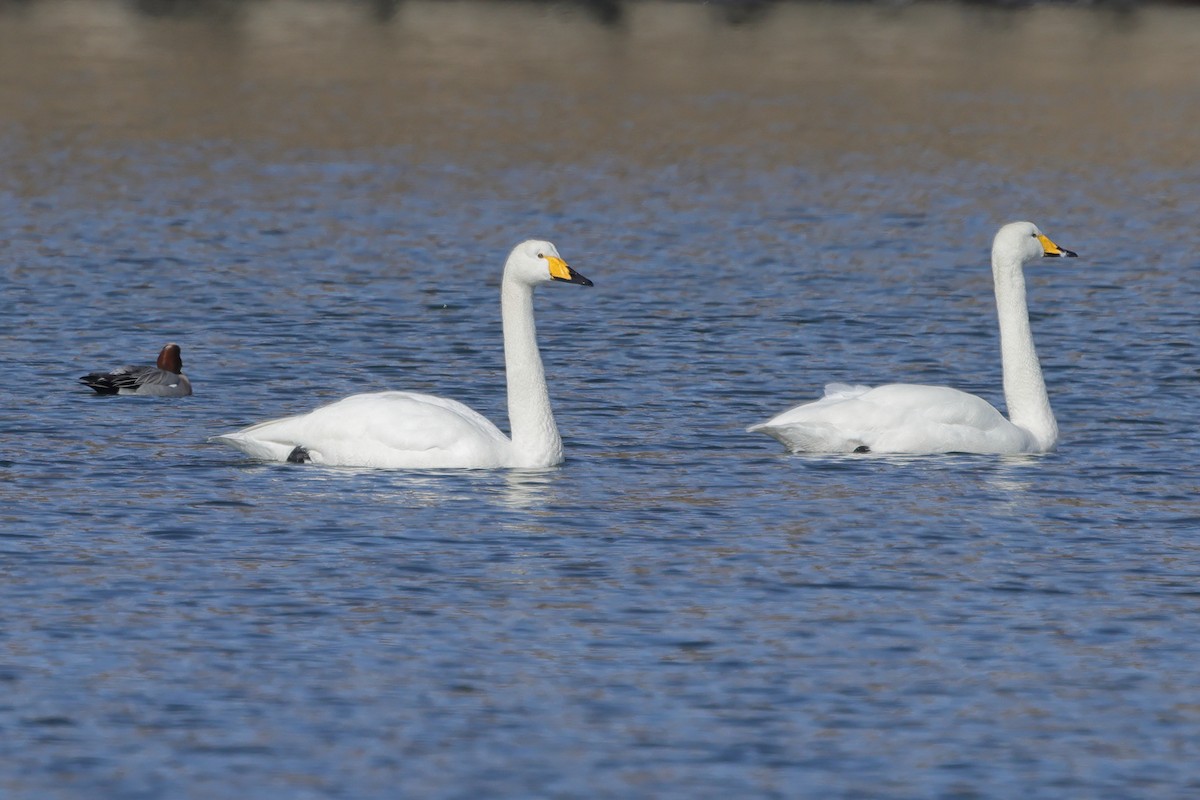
<point x="421" y="431"/>
<point x="909" y="418"/>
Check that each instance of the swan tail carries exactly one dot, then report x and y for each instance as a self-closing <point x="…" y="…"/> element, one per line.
<point x="810" y="437"/>
<point x="260" y="449"/>
<point x="813" y="427"/>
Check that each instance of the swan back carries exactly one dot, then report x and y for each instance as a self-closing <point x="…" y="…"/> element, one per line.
<point x="895" y="418"/>
<point x="381" y="429"/>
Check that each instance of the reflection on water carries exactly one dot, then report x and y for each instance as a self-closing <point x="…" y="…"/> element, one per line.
<point x="530" y="489"/>
<point x="315" y="198"/>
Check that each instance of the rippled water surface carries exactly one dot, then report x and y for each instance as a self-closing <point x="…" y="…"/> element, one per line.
<point x="315" y="199"/>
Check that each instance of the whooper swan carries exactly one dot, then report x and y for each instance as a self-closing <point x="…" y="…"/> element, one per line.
<point x="420" y="431"/>
<point x="907" y="418"/>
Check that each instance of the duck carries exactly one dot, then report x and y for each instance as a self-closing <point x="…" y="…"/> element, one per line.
<point x="411" y="430"/>
<point x="164" y="379"/>
<point x="920" y="419"/>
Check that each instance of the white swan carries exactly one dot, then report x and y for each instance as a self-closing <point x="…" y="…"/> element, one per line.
<point x="906" y="418"/>
<point x="410" y="430"/>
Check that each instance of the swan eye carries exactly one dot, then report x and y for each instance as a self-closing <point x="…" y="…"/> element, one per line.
<point x="540" y="255"/>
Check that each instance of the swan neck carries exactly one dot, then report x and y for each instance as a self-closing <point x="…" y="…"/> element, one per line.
<point x="1024" y="386"/>
<point x="535" y="438"/>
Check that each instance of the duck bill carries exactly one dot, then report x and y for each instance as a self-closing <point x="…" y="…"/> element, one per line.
<point x="561" y="271"/>
<point x="1051" y="250"/>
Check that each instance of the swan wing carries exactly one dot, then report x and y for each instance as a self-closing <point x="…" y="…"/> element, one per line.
<point x="383" y="429"/>
<point x="896" y="418"/>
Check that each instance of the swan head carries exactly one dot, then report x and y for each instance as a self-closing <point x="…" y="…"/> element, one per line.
<point x="534" y="261"/>
<point x="1023" y="242"/>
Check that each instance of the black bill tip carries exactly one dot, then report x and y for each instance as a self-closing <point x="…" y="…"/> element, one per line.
<point x="574" y="277"/>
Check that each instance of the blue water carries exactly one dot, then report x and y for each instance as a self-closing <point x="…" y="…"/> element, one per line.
<point x="681" y="609"/>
